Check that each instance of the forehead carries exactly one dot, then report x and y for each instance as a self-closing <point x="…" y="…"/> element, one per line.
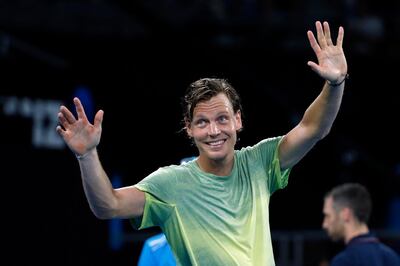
<point x="219" y="102"/>
<point x="328" y="204"/>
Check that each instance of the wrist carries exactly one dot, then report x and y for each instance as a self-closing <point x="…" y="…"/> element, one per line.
<point x="84" y="155"/>
<point x="335" y="84"/>
<point x="81" y="156"/>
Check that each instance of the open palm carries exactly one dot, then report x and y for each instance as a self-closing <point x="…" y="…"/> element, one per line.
<point x="332" y="63"/>
<point x="78" y="133"/>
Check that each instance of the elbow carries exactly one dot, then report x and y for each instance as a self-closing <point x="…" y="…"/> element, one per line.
<point x="104" y="213"/>
<point x="102" y="216"/>
<point x="320" y="133"/>
<point x="324" y="133"/>
<point x="315" y="131"/>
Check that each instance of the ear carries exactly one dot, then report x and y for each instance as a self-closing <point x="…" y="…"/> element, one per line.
<point x="238" y="120"/>
<point x="188" y="128"/>
<point x="346" y="214"/>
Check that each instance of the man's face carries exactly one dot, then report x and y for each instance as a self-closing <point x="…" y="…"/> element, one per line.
<point x="333" y="223"/>
<point x="214" y="127"/>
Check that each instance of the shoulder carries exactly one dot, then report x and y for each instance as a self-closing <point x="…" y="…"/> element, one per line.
<point x="162" y="178"/>
<point x="264" y="151"/>
<point x="344" y="258"/>
<point x="269" y="144"/>
<point x="167" y="171"/>
<point x="390" y="254"/>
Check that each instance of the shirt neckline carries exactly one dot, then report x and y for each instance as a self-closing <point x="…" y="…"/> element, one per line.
<point x="217" y="177"/>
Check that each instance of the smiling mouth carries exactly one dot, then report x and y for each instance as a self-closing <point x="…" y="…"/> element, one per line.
<point x="216" y="144"/>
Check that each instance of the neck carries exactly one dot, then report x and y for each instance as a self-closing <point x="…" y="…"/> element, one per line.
<point x="219" y="168"/>
<point x="355" y="231"/>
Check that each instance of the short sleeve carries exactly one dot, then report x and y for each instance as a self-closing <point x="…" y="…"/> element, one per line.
<point x="156" y="213"/>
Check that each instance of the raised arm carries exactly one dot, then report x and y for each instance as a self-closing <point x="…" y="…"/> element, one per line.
<point x="82" y="138"/>
<point x="319" y="116"/>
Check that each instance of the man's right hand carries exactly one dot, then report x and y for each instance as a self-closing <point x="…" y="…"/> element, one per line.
<point x="79" y="134"/>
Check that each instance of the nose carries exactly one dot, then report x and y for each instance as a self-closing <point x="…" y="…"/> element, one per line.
<point x="214" y="129"/>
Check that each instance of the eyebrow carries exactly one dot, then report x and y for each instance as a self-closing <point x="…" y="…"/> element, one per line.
<point x="218" y="114"/>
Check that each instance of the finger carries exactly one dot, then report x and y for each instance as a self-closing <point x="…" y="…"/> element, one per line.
<point x="79" y="109"/>
<point x="63" y="121"/>
<point x="60" y="131"/>
<point x="98" y="119"/>
<point x="339" y="41"/>
<point x="320" y="35"/>
<point x="67" y="114"/>
<point x="313" y="42"/>
<point x="327" y="32"/>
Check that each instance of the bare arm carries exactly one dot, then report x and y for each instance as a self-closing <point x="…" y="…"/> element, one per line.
<point x="82" y="138"/>
<point x="320" y="115"/>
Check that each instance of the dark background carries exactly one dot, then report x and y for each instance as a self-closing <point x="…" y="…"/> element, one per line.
<point x="136" y="59"/>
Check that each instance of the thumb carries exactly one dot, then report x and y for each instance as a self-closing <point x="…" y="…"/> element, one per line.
<point x="315" y="67"/>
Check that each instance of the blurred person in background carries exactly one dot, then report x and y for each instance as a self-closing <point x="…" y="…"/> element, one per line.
<point x="347" y="209"/>
<point x="156" y="252"/>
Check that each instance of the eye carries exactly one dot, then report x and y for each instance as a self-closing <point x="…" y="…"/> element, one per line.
<point x="200" y="123"/>
<point x="223" y="119"/>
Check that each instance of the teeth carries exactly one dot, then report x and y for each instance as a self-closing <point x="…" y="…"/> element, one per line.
<point x="216" y="143"/>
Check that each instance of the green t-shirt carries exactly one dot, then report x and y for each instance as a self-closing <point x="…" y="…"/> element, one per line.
<point x="216" y="220"/>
